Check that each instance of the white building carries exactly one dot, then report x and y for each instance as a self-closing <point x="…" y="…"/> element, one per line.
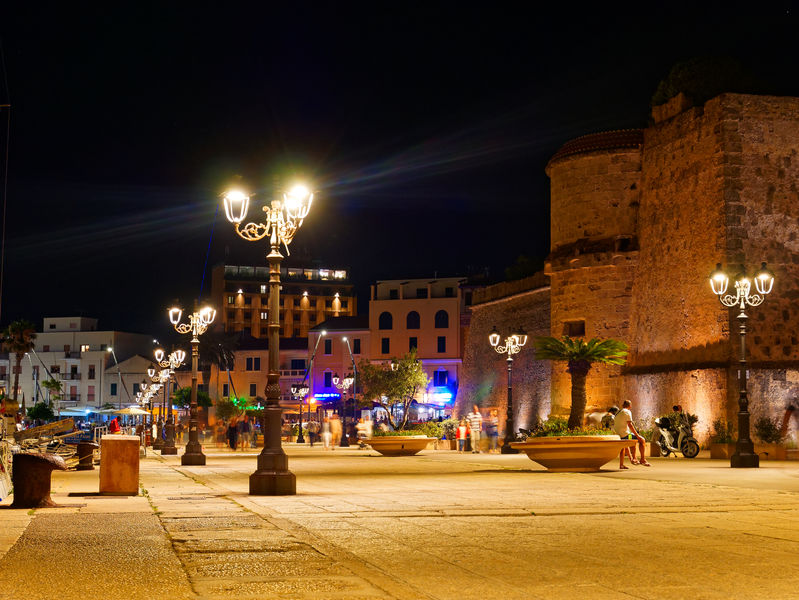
<point x="71" y="350"/>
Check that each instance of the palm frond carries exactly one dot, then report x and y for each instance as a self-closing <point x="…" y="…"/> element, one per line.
<point x="608" y="351"/>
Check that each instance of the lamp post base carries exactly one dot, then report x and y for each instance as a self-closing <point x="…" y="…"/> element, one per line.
<point x="193" y="456"/>
<point x="744" y="461"/>
<point x="273" y="483"/>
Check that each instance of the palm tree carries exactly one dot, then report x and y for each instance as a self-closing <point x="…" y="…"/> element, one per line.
<point x="18" y="338"/>
<point x="580" y="355"/>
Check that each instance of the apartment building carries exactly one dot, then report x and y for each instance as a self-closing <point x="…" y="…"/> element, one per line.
<point x="308" y="296"/>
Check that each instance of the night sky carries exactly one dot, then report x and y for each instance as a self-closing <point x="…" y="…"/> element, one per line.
<point x="425" y="129"/>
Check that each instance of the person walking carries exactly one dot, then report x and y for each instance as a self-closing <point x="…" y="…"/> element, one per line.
<point x="492" y="430"/>
<point x="475" y="420"/>
<point x="335" y="431"/>
<point x="326" y="435"/>
<point x="244" y="432"/>
<point x="462" y="434"/>
<point x="233" y="434"/>
<point x="313" y="431"/>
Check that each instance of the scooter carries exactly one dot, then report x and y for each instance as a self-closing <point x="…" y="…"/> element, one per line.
<point x="671" y="439"/>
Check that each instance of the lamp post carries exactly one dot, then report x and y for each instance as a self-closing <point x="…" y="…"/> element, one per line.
<point x="744" y="456"/>
<point x="197" y="325"/>
<point x="344" y="385"/>
<point x="354" y="381"/>
<point x="168" y="365"/>
<point x="299" y="391"/>
<point x="282" y="219"/>
<point x="513" y="345"/>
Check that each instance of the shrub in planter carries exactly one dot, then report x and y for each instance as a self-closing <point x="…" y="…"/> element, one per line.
<point x="722" y="442"/>
<point x="769" y="431"/>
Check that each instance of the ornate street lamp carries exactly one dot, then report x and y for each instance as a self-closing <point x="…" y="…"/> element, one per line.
<point x="168" y="365"/>
<point x="744" y="455"/>
<point x="197" y="325"/>
<point x="344" y="385"/>
<point x="513" y="345"/>
<point x="299" y="391"/>
<point x="282" y="219"/>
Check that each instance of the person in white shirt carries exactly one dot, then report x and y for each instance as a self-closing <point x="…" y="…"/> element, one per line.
<point x="475" y="420"/>
<point x="623" y="424"/>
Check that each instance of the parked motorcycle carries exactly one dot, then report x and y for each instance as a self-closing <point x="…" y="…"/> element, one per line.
<point x="675" y="440"/>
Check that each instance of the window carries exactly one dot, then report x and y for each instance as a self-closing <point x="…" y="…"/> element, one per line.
<point x="281" y="301"/>
<point x="135" y="388"/>
<point x="328" y="304"/>
<point x="263" y="288"/>
<point x="574" y="328"/>
<point x="103" y="346"/>
<point x="248" y="300"/>
<point x="328" y="379"/>
<point x="297" y="364"/>
<point x="231" y="314"/>
<point x="66" y="347"/>
<point x="449" y="292"/>
<point x="46" y="348"/>
<point x="84" y="347"/>
<point x="468" y="299"/>
<point x="313" y="317"/>
<point x="412" y="343"/>
<point x="35" y="371"/>
<point x="393" y="294"/>
<point x="312" y="303"/>
<point x="440" y="378"/>
<point x="328" y="346"/>
<point x="264" y="315"/>
<point x="247" y="315"/>
<point x="356" y="346"/>
<point x="421" y="292"/>
<point x="296" y="302"/>
<point x="16" y="370"/>
<point x="385" y="321"/>
<point x="343" y="304"/>
<point x="231" y="299"/>
<point x="442" y="319"/>
<point x="442" y="343"/>
<point x="225" y="390"/>
<point x="253" y="390"/>
<point x="384" y="346"/>
<point x="412" y="321"/>
<point x="90" y="394"/>
<point x="52" y="325"/>
<point x="73" y="325"/>
<point x="113" y="389"/>
<point x="253" y="363"/>
<point x="55" y="369"/>
<point x="91" y="371"/>
<point x="296" y="332"/>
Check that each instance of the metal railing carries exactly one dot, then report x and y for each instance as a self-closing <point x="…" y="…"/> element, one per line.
<point x="99" y="432"/>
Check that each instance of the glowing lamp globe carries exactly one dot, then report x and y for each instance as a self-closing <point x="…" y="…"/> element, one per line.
<point x="236" y="205"/>
<point x="719" y="281"/>
<point x="764" y="280"/>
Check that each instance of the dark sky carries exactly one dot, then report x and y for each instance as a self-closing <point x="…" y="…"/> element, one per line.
<point x="425" y="129"/>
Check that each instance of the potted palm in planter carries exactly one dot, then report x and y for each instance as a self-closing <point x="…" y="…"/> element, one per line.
<point x="722" y="442"/>
<point x="572" y="447"/>
<point x="769" y="432"/>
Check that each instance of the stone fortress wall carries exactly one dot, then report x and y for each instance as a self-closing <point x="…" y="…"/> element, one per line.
<point x="639" y="219"/>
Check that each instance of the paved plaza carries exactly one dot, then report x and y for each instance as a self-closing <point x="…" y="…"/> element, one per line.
<point x="439" y="525"/>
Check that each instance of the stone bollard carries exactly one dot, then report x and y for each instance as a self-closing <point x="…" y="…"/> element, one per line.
<point x="86" y="455"/>
<point x="31" y="479"/>
<point x="119" y="467"/>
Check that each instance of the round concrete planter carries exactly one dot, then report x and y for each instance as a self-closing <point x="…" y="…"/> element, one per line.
<point x="399" y="445"/>
<point x="580" y="453"/>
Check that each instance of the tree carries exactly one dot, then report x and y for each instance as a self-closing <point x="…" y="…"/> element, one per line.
<point x="53" y="386"/>
<point x="394" y="385"/>
<point x="580" y="355"/>
<point x="705" y="77"/>
<point x="41" y="412"/>
<point x="225" y="409"/>
<point x="18" y="338"/>
<point x="182" y="397"/>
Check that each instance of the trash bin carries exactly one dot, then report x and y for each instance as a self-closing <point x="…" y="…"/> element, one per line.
<point x="119" y="465"/>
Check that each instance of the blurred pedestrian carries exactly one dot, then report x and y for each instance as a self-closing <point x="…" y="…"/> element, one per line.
<point x="326" y="435"/>
<point x="492" y="430"/>
<point x="233" y="434"/>
<point x="335" y="431"/>
<point x="463" y="433"/>
<point x="475" y="425"/>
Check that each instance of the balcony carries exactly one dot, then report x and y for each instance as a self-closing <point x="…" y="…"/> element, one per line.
<point x="72" y="354"/>
<point x="72" y="376"/>
<point x="292" y="372"/>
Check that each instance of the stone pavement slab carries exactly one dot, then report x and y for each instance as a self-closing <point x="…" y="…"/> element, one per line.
<point x="439" y="525"/>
